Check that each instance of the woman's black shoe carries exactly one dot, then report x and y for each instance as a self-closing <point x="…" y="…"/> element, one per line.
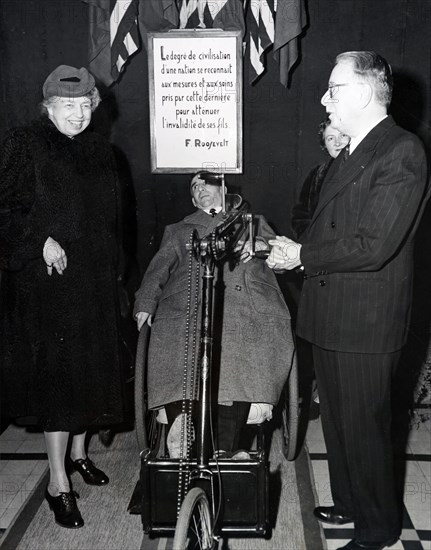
<point x="90" y="474"/>
<point x="65" y="509"/>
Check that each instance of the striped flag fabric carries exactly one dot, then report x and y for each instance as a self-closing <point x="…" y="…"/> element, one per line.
<point x="114" y="36"/>
<point x="212" y="14"/>
<point x="261" y="24"/>
<point x="290" y="20"/>
<point x="124" y="33"/>
<point x="114" y="30"/>
<point x="188" y="8"/>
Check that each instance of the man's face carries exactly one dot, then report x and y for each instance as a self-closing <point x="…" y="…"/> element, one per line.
<point x="205" y="195"/>
<point x="71" y="116"/>
<point x="335" y="140"/>
<point x="342" y="99"/>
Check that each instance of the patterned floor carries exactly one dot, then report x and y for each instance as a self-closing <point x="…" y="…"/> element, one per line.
<point x="416" y="534"/>
<point x="23" y="463"/>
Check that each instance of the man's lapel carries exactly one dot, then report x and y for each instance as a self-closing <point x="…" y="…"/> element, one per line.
<point x="344" y="173"/>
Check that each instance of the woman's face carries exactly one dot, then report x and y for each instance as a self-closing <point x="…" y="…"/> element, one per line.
<point x="334" y="140"/>
<point x="71" y="116"/>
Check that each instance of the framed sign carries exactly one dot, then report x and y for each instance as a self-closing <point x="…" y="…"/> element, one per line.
<point x="195" y="79"/>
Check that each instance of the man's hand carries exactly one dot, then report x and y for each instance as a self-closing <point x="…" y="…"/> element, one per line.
<point x="246" y="247"/>
<point x="141" y="317"/>
<point x="54" y="256"/>
<point x="285" y="253"/>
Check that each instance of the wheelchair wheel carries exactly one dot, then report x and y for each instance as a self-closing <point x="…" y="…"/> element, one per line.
<point x="146" y="427"/>
<point x="290" y="414"/>
<point x="194" y="526"/>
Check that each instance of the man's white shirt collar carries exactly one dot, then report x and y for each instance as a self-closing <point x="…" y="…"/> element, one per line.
<point x="216" y="208"/>
<point x="354" y="142"/>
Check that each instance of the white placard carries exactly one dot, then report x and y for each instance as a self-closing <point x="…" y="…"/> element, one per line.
<point x="195" y="81"/>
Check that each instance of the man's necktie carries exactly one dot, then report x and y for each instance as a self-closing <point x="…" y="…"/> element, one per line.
<point x="213" y="212"/>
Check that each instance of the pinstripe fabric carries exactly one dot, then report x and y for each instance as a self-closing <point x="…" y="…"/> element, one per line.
<point x="355" y="309"/>
<point x="354" y="391"/>
<point x="357" y="251"/>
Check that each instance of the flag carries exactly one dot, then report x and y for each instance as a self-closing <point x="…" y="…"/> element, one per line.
<point x="290" y="19"/>
<point x="124" y="34"/>
<point x="228" y="16"/>
<point x="114" y="36"/>
<point x="157" y="16"/>
<point x="212" y="14"/>
<point x="261" y="35"/>
<point x="188" y="8"/>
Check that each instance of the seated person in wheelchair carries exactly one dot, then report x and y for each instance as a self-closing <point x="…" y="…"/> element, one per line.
<point x="252" y="345"/>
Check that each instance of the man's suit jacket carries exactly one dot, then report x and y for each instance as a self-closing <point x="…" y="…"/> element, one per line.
<point x="358" y="249"/>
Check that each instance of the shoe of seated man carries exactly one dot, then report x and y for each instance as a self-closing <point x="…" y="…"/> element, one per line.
<point x="220" y="454"/>
<point x="241" y="454"/>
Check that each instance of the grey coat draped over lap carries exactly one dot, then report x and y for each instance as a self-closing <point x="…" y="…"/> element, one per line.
<point x="253" y="345"/>
<point x="58" y="335"/>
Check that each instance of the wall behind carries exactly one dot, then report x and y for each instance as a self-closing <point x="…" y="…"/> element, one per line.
<point x="280" y="125"/>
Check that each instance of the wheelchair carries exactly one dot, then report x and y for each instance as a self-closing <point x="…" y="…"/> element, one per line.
<point x="199" y="497"/>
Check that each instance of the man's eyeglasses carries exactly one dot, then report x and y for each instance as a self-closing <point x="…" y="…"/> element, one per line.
<point x="333" y="88"/>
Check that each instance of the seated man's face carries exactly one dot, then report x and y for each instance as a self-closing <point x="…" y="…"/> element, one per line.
<point x="205" y="195"/>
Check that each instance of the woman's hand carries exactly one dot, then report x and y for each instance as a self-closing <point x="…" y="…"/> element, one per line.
<point x="54" y="256"/>
<point x="141" y="317"/>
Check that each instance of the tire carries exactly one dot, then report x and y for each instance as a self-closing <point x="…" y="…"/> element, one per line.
<point x="290" y="414"/>
<point x="146" y="427"/>
<point x="194" y="525"/>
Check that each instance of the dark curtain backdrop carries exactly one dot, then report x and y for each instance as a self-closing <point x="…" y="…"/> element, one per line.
<point x="280" y="125"/>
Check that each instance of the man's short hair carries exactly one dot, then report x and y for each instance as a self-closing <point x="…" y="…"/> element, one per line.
<point x="373" y="69"/>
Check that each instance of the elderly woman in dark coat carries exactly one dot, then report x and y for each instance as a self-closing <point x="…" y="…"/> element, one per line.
<point x="59" y="339"/>
<point x="253" y="345"/>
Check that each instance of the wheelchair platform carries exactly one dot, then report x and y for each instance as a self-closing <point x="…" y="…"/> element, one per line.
<point x="244" y="490"/>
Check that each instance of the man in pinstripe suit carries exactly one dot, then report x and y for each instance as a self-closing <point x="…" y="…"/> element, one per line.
<point x="357" y="257"/>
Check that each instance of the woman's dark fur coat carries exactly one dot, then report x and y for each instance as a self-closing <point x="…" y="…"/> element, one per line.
<point x="59" y="335"/>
